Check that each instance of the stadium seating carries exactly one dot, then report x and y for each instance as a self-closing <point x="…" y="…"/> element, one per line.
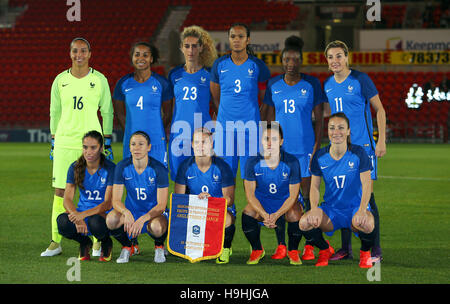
<point x="277" y="14"/>
<point x="39" y="45"/>
<point x="37" y="49"/>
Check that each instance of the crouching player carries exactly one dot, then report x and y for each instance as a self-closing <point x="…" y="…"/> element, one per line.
<point x="146" y="182"/>
<point x="208" y="175"/>
<point x="272" y="185"/>
<point x="345" y="169"/>
<point x="93" y="175"/>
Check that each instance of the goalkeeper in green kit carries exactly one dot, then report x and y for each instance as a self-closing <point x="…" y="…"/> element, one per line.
<point x="76" y="96"/>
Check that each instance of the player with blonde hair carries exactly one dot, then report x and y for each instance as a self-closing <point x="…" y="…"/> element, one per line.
<point x="190" y="82"/>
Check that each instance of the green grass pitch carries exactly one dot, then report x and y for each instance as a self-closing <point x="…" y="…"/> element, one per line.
<point x="412" y="194"/>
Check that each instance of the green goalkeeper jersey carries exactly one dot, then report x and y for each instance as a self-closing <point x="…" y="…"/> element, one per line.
<point x="74" y="104"/>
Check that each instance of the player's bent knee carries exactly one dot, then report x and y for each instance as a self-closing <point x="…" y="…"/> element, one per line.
<point x="158" y="226"/>
<point x="294" y="214"/>
<point x="303" y="223"/>
<point x="248" y="210"/>
<point x="229" y="220"/>
<point x="113" y="220"/>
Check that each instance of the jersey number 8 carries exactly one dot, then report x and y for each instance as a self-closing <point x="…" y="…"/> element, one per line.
<point x="272" y="188"/>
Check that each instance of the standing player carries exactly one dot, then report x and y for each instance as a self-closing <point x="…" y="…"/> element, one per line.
<point x="93" y="175"/>
<point x="234" y="86"/>
<point x="139" y="98"/>
<point x="190" y="82"/>
<point x="146" y="181"/>
<point x="207" y="175"/>
<point x="345" y="169"/>
<point x="76" y="96"/>
<point x="272" y="184"/>
<point x="295" y="96"/>
<point x="353" y="92"/>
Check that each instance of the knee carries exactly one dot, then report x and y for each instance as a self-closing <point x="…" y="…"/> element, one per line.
<point x="303" y="223"/>
<point x="367" y="227"/>
<point x="248" y="210"/>
<point x="294" y="214"/>
<point x="62" y="221"/>
<point x="65" y="226"/>
<point x="229" y="220"/>
<point x="113" y="220"/>
<point x="157" y="227"/>
<point x="97" y="225"/>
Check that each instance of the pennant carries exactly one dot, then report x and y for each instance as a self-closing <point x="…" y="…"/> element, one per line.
<point x="196" y="227"/>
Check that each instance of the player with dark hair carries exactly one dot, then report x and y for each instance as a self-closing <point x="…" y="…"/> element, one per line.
<point x="93" y="175"/>
<point x="353" y="92"/>
<point x="76" y="96"/>
<point x="234" y="86"/>
<point x="272" y="184"/>
<point x="345" y="169"/>
<point x="208" y="175"/>
<point x="146" y="182"/>
<point x="294" y="97"/>
<point x="138" y="100"/>
<point x="190" y="82"/>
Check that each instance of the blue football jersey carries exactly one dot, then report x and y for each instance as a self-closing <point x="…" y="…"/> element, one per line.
<point x="218" y="176"/>
<point x="352" y="97"/>
<point x="94" y="185"/>
<point x="141" y="188"/>
<point x="272" y="185"/>
<point x="293" y="110"/>
<point x="192" y="96"/>
<point x="143" y="107"/>
<point x="239" y="88"/>
<point x="343" y="189"/>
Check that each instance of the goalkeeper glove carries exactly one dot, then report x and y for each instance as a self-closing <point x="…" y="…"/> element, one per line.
<point x="108" y="150"/>
<point x="51" y="149"/>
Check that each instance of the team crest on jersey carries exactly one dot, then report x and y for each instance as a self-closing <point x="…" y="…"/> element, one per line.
<point x="350" y="89"/>
<point x="285" y="175"/>
<point x="103" y="180"/>
<point x="351" y="164"/>
<point x="154" y="88"/>
<point x="250" y="73"/>
<point x="151" y="180"/>
<point x="303" y="91"/>
<point x="215" y="178"/>
<point x="203" y="79"/>
<point x="92" y="85"/>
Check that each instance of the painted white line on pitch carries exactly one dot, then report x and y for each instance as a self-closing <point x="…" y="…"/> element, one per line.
<point x="415" y="178"/>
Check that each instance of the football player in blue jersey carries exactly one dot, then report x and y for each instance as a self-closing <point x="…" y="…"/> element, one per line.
<point x="208" y="175"/>
<point x="353" y="93"/>
<point x="345" y="169"/>
<point x="138" y="100"/>
<point x="272" y="184"/>
<point x="93" y="175"/>
<point x="190" y="82"/>
<point x="235" y="80"/>
<point x="294" y="97"/>
<point x="146" y="182"/>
